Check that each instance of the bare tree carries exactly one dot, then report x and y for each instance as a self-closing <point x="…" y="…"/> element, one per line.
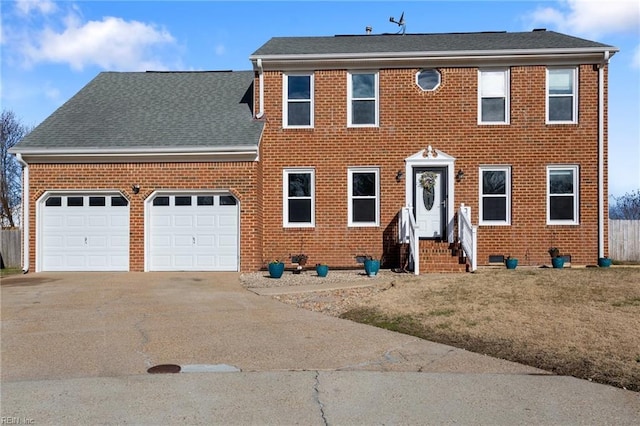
<point x="10" y="188"/>
<point x="626" y="207"/>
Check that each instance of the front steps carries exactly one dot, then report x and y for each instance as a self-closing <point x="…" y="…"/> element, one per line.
<point x="441" y="256"/>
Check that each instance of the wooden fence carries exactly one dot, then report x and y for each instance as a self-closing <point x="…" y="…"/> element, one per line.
<point x="624" y="240"/>
<point x="10" y="240"/>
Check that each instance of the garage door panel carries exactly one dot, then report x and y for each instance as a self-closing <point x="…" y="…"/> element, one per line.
<point x="86" y="237"/>
<point x="194" y="234"/>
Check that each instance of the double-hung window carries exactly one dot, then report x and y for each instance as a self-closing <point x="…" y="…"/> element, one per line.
<point x="363" y="99"/>
<point x="298" y="100"/>
<point x="562" y="195"/>
<point x="562" y="95"/>
<point x="495" y="195"/>
<point x="364" y="196"/>
<point x="493" y="96"/>
<point x="298" y="197"/>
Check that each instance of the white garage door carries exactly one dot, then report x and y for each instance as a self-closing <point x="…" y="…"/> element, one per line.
<point x="84" y="233"/>
<point x="193" y="233"/>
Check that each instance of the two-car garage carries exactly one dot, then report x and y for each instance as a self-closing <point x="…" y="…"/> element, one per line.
<point x="182" y="232"/>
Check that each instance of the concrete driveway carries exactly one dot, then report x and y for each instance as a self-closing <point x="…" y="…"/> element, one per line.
<point x="76" y="348"/>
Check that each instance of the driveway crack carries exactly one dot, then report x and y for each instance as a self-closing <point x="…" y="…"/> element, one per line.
<point x="144" y="340"/>
<point x="316" y="397"/>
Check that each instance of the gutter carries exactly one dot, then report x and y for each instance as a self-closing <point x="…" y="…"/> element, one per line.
<point x="25" y="212"/>
<point x="261" y="82"/>
<point x="601" y="153"/>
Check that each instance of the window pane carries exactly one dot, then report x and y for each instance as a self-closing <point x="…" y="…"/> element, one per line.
<point x="205" y="200"/>
<point x="53" y="202"/>
<point x="494" y="208"/>
<point x="183" y="201"/>
<point x="161" y="201"/>
<point x="364" y="184"/>
<point x="561" y="182"/>
<point x="299" y="113"/>
<point x="363" y="112"/>
<point x="493" y="84"/>
<point x="227" y="200"/>
<point x="561" y="108"/>
<point x="493" y="109"/>
<point x="119" y="202"/>
<point x="363" y="85"/>
<point x="364" y="210"/>
<point x="75" y="201"/>
<point x="97" y="201"/>
<point x="300" y="211"/>
<point x="428" y="79"/>
<point x="561" y="208"/>
<point x="560" y="82"/>
<point x="493" y="182"/>
<point x="299" y="184"/>
<point x="299" y="87"/>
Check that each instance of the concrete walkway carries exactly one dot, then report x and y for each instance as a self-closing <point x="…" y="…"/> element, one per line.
<point x="76" y="348"/>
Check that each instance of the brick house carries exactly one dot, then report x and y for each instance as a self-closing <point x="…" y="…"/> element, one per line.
<point x="414" y="148"/>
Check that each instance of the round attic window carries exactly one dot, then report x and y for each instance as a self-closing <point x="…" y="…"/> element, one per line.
<point x="428" y="79"/>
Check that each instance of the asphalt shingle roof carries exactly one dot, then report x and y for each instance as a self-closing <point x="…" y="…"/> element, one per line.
<point x="139" y="110"/>
<point x="393" y="43"/>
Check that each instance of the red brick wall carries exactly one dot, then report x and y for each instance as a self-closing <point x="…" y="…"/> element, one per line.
<point x="240" y="178"/>
<point x="446" y="118"/>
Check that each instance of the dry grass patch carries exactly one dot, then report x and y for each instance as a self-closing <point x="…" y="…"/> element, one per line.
<point x="579" y="322"/>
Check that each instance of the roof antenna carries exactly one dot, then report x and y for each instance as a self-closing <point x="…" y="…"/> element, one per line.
<point x="400" y="23"/>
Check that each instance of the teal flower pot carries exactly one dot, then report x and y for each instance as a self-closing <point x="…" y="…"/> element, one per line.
<point x="322" y="270"/>
<point x="511" y="263"/>
<point x="604" y="262"/>
<point x="557" y="262"/>
<point x="371" y="267"/>
<point x="276" y="269"/>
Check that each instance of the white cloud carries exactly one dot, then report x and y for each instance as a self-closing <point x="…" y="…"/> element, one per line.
<point x="591" y="17"/>
<point x="45" y="7"/>
<point x="111" y="43"/>
<point x="635" y="61"/>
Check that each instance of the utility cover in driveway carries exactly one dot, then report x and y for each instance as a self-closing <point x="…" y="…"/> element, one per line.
<point x="193" y="232"/>
<point x="84" y="232"/>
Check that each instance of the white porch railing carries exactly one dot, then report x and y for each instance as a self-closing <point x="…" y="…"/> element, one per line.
<point x="409" y="233"/>
<point x="468" y="235"/>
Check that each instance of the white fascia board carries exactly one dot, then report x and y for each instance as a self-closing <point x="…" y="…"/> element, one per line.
<point x="436" y="58"/>
<point x="132" y="155"/>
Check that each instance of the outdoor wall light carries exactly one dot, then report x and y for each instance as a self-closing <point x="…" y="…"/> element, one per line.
<point x="135" y="188"/>
<point x="459" y="175"/>
<point x="399" y="175"/>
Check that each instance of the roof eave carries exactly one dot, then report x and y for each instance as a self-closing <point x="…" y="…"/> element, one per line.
<point x="133" y="155"/>
<point x="437" y="58"/>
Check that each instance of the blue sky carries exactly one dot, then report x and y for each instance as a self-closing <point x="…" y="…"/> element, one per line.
<point x="51" y="49"/>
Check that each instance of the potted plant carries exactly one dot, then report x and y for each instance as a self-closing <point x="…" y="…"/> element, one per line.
<point x="301" y="260"/>
<point x="322" y="269"/>
<point x="557" y="261"/>
<point x="276" y="268"/>
<point x="604" y="262"/>
<point x="511" y="262"/>
<point x="371" y="266"/>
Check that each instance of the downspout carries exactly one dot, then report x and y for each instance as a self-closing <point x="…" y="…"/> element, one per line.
<point x="261" y="82"/>
<point x="25" y="212"/>
<point x="601" y="153"/>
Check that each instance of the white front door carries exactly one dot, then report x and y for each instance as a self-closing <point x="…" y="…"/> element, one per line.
<point x="429" y="201"/>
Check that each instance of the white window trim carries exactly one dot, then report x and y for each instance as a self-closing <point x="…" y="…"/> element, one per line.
<point x="507" y="221"/>
<point x="575" y="96"/>
<point x="434" y="87"/>
<point x="507" y="96"/>
<point x="377" y="98"/>
<point x="350" y="196"/>
<point x="576" y="195"/>
<point x="285" y="198"/>
<point x="285" y="100"/>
